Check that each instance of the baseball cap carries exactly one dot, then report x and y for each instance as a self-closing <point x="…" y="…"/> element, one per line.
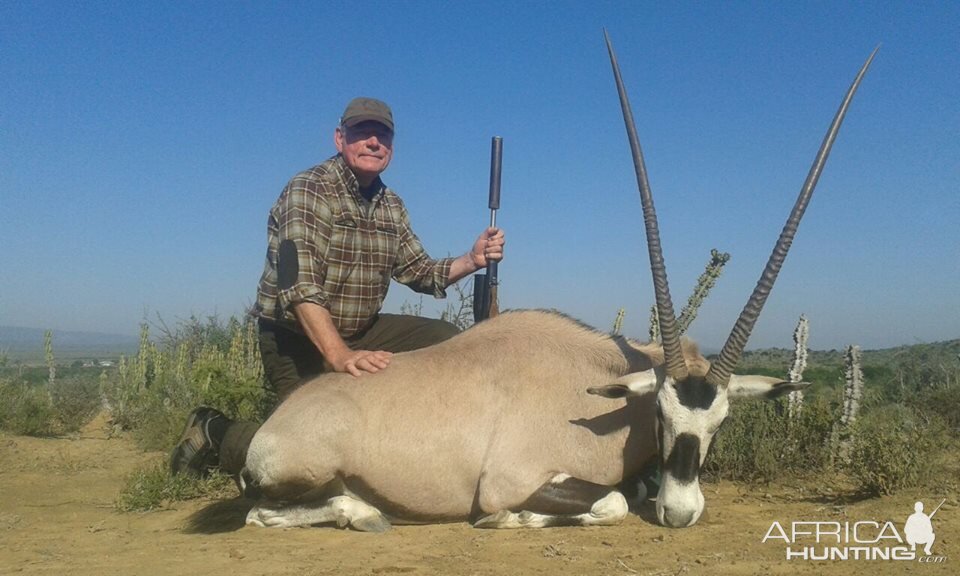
<point x="363" y="109"/>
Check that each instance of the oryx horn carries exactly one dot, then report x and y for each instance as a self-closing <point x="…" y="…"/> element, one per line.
<point x="722" y="368"/>
<point x="669" y="329"/>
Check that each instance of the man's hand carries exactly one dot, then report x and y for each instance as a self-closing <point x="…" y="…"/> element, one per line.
<point x="357" y="362"/>
<point x="488" y="248"/>
<point x="319" y="328"/>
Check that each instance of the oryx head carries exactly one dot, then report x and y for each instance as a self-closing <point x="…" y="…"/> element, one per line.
<point x="693" y="401"/>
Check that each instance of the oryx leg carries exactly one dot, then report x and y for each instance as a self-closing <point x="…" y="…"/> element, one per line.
<point x="344" y="510"/>
<point x="563" y="501"/>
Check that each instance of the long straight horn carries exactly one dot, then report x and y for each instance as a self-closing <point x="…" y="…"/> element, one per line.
<point x="723" y="367"/>
<point x="669" y="330"/>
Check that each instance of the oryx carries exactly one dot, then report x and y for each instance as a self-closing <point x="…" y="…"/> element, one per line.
<point x="511" y="423"/>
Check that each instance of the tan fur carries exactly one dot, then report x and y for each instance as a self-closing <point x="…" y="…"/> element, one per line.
<point x="697" y="365"/>
<point x="472" y="425"/>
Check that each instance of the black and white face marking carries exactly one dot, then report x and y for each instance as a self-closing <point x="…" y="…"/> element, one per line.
<point x="688" y="417"/>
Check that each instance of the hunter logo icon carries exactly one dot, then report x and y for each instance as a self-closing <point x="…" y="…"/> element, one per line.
<point x="859" y="540"/>
<point x="919" y="528"/>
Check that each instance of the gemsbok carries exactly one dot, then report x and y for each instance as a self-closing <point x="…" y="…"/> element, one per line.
<point x="530" y="419"/>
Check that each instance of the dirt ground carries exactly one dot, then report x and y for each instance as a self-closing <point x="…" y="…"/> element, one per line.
<point x="57" y="517"/>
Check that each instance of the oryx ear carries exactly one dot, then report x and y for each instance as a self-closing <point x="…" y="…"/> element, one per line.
<point x="754" y="385"/>
<point x="635" y="384"/>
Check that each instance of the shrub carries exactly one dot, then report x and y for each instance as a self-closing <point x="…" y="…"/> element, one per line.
<point x="151" y="487"/>
<point x="48" y="410"/>
<point x="6" y="402"/>
<point x="159" y="422"/>
<point x="760" y="442"/>
<point x="895" y="447"/>
<point x="746" y="447"/>
<point x="27" y="410"/>
<point x="944" y="401"/>
<point x="75" y="401"/>
<point x="198" y="363"/>
<point x="940" y="399"/>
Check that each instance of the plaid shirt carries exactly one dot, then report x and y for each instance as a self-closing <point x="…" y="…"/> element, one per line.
<point x="341" y="250"/>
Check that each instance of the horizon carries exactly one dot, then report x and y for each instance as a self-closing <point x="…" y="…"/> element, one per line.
<point x="141" y="147"/>
<point x="134" y="340"/>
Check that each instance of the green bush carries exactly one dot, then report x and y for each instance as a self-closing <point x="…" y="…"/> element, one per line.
<point x="746" y="446"/>
<point x="7" y="394"/>
<point x="893" y="448"/>
<point x="151" y="487"/>
<point x="237" y="397"/>
<point x="945" y="400"/>
<point x="760" y="443"/>
<point x="941" y="399"/>
<point x="75" y="401"/>
<point x="807" y="437"/>
<point x="200" y="363"/>
<point x="159" y="423"/>
<point x="48" y="410"/>
<point x="26" y="410"/>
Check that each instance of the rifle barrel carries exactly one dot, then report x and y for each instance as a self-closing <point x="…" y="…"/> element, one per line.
<point x="496" y="161"/>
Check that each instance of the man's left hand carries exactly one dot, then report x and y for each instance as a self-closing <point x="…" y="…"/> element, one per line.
<point x="488" y="248"/>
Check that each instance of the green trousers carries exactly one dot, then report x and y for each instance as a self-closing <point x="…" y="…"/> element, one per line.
<point x="290" y="359"/>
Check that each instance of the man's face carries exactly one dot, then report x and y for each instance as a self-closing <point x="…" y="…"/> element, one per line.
<point x="366" y="147"/>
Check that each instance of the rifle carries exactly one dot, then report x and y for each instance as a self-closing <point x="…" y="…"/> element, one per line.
<point x="485" y="303"/>
<point x="937" y="508"/>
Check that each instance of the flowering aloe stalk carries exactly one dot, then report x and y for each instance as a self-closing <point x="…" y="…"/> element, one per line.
<point x="800" y="352"/>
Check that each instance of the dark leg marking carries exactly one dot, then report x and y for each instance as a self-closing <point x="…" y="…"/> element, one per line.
<point x="567" y="496"/>
<point x="564" y="501"/>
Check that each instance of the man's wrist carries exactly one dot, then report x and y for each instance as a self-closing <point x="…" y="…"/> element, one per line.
<point x="336" y="354"/>
<point x="472" y="261"/>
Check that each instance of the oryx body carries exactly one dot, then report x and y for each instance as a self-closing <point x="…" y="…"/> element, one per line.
<point x="498" y="418"/>
<point x="471" y="426"/>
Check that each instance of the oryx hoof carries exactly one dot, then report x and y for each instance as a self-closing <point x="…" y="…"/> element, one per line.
<point x="373" y="523"/>
<point x="495" y="520"/>
<point x="265" y="517"/>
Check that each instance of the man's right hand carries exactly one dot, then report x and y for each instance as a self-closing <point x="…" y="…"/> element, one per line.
<point x="357" y="362"/>
<point x="319" y="328"/>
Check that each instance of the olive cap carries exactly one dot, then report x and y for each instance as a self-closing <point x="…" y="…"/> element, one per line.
<point x="364" y="109"/>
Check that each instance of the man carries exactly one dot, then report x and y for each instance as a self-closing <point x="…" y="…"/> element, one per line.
<point x="336" y="236"/>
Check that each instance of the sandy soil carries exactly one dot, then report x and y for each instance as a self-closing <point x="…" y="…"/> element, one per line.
<point x="57" y="517"/>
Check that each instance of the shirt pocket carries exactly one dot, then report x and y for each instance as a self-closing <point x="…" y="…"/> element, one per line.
<point x="342" y="254"/>
<point x="386" y="246"/>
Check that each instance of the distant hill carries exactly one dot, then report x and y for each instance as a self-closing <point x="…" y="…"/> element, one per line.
<point x="945" y="353"/>
<point x="26" y="344"/>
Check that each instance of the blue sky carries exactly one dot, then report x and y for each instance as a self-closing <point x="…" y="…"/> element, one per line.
<point x="142" y="144"/>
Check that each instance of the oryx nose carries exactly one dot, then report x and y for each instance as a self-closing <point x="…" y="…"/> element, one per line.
<point x="678" y="518"/>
